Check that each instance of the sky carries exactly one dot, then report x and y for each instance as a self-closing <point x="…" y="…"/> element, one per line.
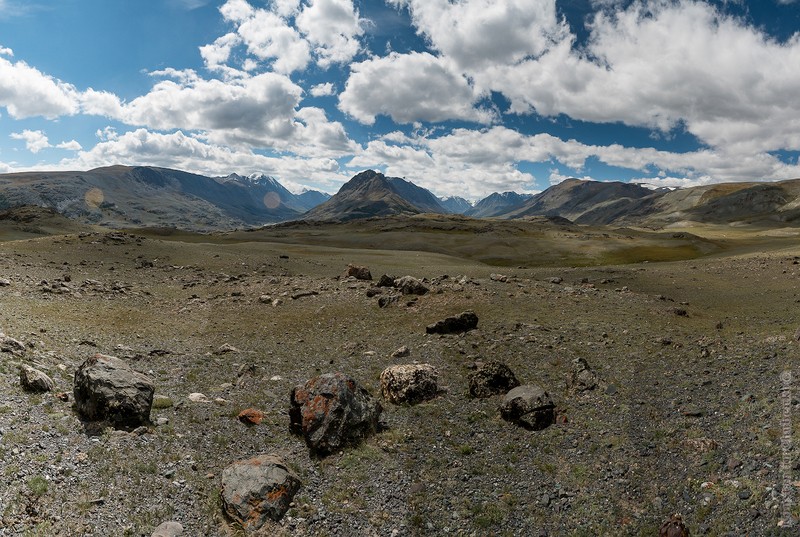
<point x="463" y="97"/>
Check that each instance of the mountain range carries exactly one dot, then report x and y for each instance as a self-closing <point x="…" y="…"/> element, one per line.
<point x="141" y="196"/>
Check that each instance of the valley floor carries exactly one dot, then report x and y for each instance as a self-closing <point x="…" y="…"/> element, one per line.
<point x="687" y="417"/>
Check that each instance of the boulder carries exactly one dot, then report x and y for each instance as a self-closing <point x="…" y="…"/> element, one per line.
<point x="106" y="388"/>
<point x="409" y="285"/>
<point x="491" y="378"/>
<point x="11" y="345"/>
<point x="673" y="527"/>
<point x="528" y="406"/>
<point x="258" y="490"/>
<point x="462" y="322"/>
<point x="582" y="378"/>
<point x="168" y="529"/>
<point x="331" y="411"/>
<point x="357" y="272"/>
<point x="33" y="380"/>
<point x="409" y="383"/>
<point x="5" y="282"/>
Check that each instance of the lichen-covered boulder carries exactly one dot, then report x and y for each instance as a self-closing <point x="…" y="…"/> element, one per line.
<point x="491" y="378"/>
<point x="331" y="411"/>
<point x="409" y="383"/>
<point x="33" y="380"/>
<point x="257" y="490"/>
<point x="462" y="322"/>
<point x="528" y="406"/>
<point x="108" y="389"/>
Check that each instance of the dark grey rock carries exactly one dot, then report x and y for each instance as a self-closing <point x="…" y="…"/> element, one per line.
<point x="491" y="378"/>
<point x="331" y="411"/>
<point x="386" y="281"/>
<point x="528" y="406"/>
<point x="257" y="490"/>
<point x="462" y="322"/>
<point x="106" y="388"/>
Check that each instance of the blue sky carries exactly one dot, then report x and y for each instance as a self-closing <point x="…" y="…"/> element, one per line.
<point x="464" y="98"/>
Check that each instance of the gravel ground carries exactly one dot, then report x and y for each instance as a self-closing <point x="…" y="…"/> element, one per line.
<point x="686" y="417"/>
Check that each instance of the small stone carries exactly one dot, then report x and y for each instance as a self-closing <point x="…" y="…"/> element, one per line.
<point x="409" y="285"/>
<point x="198" y="397"/>
<point x="250" y="416"/>
<point x="673" y="527"/>
<point x="402" y="352"/>
<point x="745" y="494"/>
<point x="226" y="348"/>
<point x="4" y="282"/>
<point x="168" y="529"/>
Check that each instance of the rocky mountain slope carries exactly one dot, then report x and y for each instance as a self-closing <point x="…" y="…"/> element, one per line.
<point x="455" y="204"/>
<point x="122" y="196"/>
<point x="616" y="203"/>
<point x="497" y="204"/>
<point x="370" y="194"/>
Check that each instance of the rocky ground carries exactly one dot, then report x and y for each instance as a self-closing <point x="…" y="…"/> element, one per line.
<point x="686" y="416"/>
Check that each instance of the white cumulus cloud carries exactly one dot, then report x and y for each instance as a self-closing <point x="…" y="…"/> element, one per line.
<point x="25" y="92"/>
<point x="409" y="88"/>
<point x="35" y="141"/>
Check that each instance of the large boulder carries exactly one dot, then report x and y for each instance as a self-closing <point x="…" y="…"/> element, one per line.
<point x="491" y="378"/>
<point x="257" y="490"/>
<point x="107" y="389"/>
<point x="33" y="380"/>
<point x="462" y="322"/>
<point x="11" y="345"/>
<point x="528" y="406"/>
<point x="409" y="383"/>
<point x="409" y="285"/>
<point x="331" y="411"/>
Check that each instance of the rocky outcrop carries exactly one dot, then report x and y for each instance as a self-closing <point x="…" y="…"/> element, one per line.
<point x="462" y="322"/>
<point x="33" y="380"/>
<point x="331" y="411"/>
<point x="257" y="490"/>
<point x="491" y="378"/>
<point x="528" y="406"/>
<point x="106" y="388"/>
<point x="409" y="383"/>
